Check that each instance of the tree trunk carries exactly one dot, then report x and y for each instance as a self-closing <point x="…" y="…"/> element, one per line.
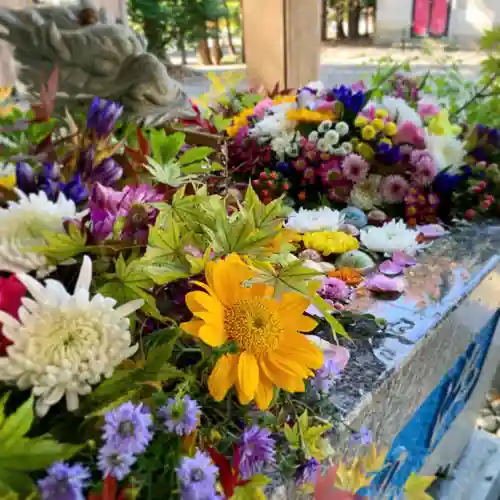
<point x="217" y="53"/>
<point x="230" y="43"/>
<point x="242" y="32"/>
<point x="181" y="44"/>
<point x="324" y="21"/>
<point x="353" y="20"/>
<point x="339" y="15"/>
<point x="154" y="38"/>
<point x="204" y="52"/>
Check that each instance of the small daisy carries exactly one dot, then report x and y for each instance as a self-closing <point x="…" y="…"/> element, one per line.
<point x="394" y="188"/>
<point x="355" y="168"/>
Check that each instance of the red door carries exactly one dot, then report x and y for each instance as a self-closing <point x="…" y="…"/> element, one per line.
<point x="430" y="17"/>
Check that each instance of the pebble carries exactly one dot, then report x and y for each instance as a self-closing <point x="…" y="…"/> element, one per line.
<point x="349" y="229"/>
<point x="489" y="423"/>
<point x="495" y="406"/>
<point x="354" y="216"/>
<point x="485" y="412"/>
<point x="356" y="259"/>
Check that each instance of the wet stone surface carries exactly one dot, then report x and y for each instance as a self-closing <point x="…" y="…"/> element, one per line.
<point x="448" y="270"/>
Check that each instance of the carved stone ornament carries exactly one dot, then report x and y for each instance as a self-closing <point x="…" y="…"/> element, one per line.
<point x="96" y="57"/>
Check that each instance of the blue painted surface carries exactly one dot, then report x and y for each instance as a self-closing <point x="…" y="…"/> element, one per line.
<point x="436" y="414"/>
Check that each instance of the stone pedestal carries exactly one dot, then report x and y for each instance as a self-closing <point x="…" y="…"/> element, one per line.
<point x="282" y="41"/>
<point x="392" y="21"/>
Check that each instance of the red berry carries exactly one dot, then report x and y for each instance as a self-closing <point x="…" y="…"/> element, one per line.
<point x="285" y="187"/>
<point x="274" y="175"/>
<point x="264" y="193"/>
<point x="470" y="214"/>
<point x="256" y="182"/>
<point x="270" y="184"/>
<point x="263" y="175"/>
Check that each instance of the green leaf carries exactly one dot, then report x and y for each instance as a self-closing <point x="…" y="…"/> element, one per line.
<point x="15" y="483"/>
<point x="62" y="246"/>
<point x="165" y="147"/>
<point x="160" y="354"/>
<point x="326" y="311"/>
<point x="35" y="454"/>
<point x="221" y="123"/>
<point x="195" y="154"/>
<point x="292" y="276"/>
<point x="17" y="424"/>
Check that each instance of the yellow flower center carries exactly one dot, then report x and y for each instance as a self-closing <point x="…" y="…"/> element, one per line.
<point x="253" y="325"/>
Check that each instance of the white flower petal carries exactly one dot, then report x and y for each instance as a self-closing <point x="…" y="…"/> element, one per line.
<point x="129" y="307"/>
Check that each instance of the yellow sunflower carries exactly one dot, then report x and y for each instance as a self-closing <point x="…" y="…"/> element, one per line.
<point x="271" y="351"/>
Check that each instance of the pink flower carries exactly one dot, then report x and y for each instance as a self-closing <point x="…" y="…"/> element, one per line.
<point x="425" y="167"/>
<point x="261" y="108"/>
<point x="334" y="289"/>
<point x="355" y="168"/>
<point x="379" y="283"/>
<point x="428" y="110"/>
<point x="403" y="259"/>
<point x="432" y="231"/>
<point x="107" y="205"/>
<point x="410" y="133"/>
<point x="393" y="188"/>
<point x="390" y="268"/>
<point x="357" y="86"/>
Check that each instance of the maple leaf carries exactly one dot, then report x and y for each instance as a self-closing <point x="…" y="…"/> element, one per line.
<point x="325" y="487"/>
<point x="374" y="461"/>
<point x="140" y="156"/>
<point x="43" y="111"/>
<point x="416" y="485"/>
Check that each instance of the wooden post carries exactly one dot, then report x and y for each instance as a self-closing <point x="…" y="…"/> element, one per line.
<point x="282" y="41"/>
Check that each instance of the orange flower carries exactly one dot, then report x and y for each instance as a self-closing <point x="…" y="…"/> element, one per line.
<point x="349" y="275"/>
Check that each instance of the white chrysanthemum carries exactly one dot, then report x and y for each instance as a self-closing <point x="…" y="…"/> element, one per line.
<point x="21" y="227"/>
<point x="63" y="344"/>
<point x="274" y="123"/>
<point x="321" y="219"/>
<point x="393" y="236"/>
<point x="447" y="151"/>
<point x="398" y="110"/>
<point x="366" y="195"/>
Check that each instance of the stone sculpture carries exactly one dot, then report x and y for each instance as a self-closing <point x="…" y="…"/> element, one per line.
<point x="96" y="57"/>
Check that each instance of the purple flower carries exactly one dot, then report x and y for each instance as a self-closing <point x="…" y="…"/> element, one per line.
<point x="256" y="449"/>
<point x="102" y="117"/>
<point x="394" y="188"/>
<point x="127" y="428"/>
<point x="181" y="416"/>
<point x="85" y="163"/>
<point x="334" y="289"/>
<point x="403" y="259"/>
<point x="25" y="178"/>
<point x="107" y="205"/>
<point x="113" y="463"/>
<point x="379" y="283"/>
<point x="324" y="379"/>
<point x="363" y="437"/>
<point x="106" y="173"/>
<point x="197" y="477"/>
<point x="307" y="472"/>
<point x="64" y="482"/>
<point x="390" y="268"/>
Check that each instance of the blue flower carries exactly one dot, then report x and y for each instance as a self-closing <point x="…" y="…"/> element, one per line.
<point x="445" y="183"/>
<point x="257" y="448"/>
<point x="307" y="472"/>
<point x="181" y="416"/>
<point x="363" y="437"/>
<point x="127" y="428"/>
<point x="197" y="477"/>
<point x="102" y="117"/>
<point x="389" y="155"/>
<point x="324" y="379"/>
<point x="113" y="463"/>
<point x="64" y="482"/>
<point x="352" y="101"/>
<point x="75" y="190"/>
